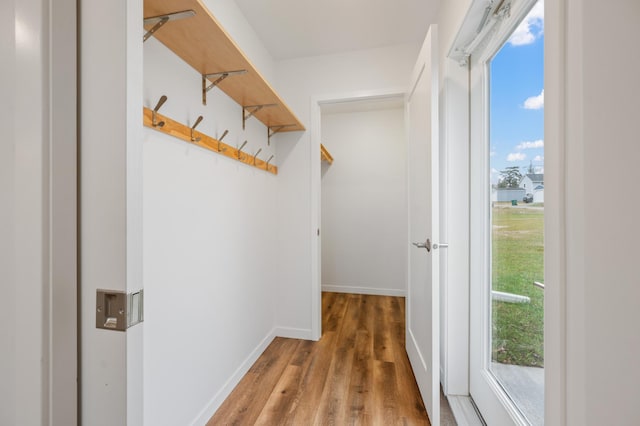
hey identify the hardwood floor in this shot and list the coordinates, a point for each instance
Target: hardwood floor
(358, 373)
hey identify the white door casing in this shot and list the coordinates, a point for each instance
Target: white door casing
(111, 129)
(423, 298)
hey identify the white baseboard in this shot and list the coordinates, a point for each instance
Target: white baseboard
(364, 290)
(203, 417)
(293, 333)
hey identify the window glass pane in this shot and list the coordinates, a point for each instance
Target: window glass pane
(517, 216)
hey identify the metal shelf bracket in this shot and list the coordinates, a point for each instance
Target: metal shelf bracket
(249, 111)
(160, 20)
(272, 130)
(219, 77)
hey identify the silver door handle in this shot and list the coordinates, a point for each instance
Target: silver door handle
(441, 245)
(425, 245)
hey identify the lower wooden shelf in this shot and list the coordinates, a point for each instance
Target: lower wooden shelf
(181, 131)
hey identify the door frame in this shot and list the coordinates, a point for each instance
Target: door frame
(41, 163)
(315, 188)
(64, 212)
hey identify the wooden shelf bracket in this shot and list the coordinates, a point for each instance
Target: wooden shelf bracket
(160, 20)
(249, 111)
(219, 77)
(324, 155)
(272, 130)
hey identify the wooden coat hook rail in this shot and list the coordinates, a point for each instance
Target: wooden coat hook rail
(153, 120)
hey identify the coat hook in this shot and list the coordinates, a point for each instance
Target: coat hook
(240, 150)
(154, 120)
(193, 138)
(256, 156)
(268, 161)
(220, 148)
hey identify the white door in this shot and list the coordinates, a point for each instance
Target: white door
(494, 398)
(423, 313)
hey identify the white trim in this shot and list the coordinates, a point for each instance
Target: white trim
(315, 221)
(555, 222)
(464, 411)
(209, 410)
(294, 333)
(63, 314)
(364, 290)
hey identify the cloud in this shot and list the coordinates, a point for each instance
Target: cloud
(530, 28)
(538, 158)
(535, 102)
(530, 145)
(516, 156)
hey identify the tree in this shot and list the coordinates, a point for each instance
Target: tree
(510, 177)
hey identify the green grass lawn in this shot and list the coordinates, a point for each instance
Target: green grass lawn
(518, 256)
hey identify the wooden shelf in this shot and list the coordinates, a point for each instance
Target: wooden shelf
(183, 132)
(202, 43)
(324, 155)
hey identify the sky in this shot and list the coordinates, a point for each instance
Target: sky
(517, 98)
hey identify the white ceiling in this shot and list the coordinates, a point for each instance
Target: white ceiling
(298, 28)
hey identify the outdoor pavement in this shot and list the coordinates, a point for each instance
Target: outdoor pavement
(525, 385)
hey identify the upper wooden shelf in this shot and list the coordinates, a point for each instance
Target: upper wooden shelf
(202, 43)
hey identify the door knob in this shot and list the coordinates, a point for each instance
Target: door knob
(425, 245)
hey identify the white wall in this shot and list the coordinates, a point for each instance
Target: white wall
(364, 204)
(210, 228)
(591, 336)
(300, 80)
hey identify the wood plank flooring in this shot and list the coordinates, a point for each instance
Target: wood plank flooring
(358, 373)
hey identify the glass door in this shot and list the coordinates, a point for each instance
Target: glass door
(507, 202)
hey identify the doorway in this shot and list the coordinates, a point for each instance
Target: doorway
(341, 103)
(363, 197)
